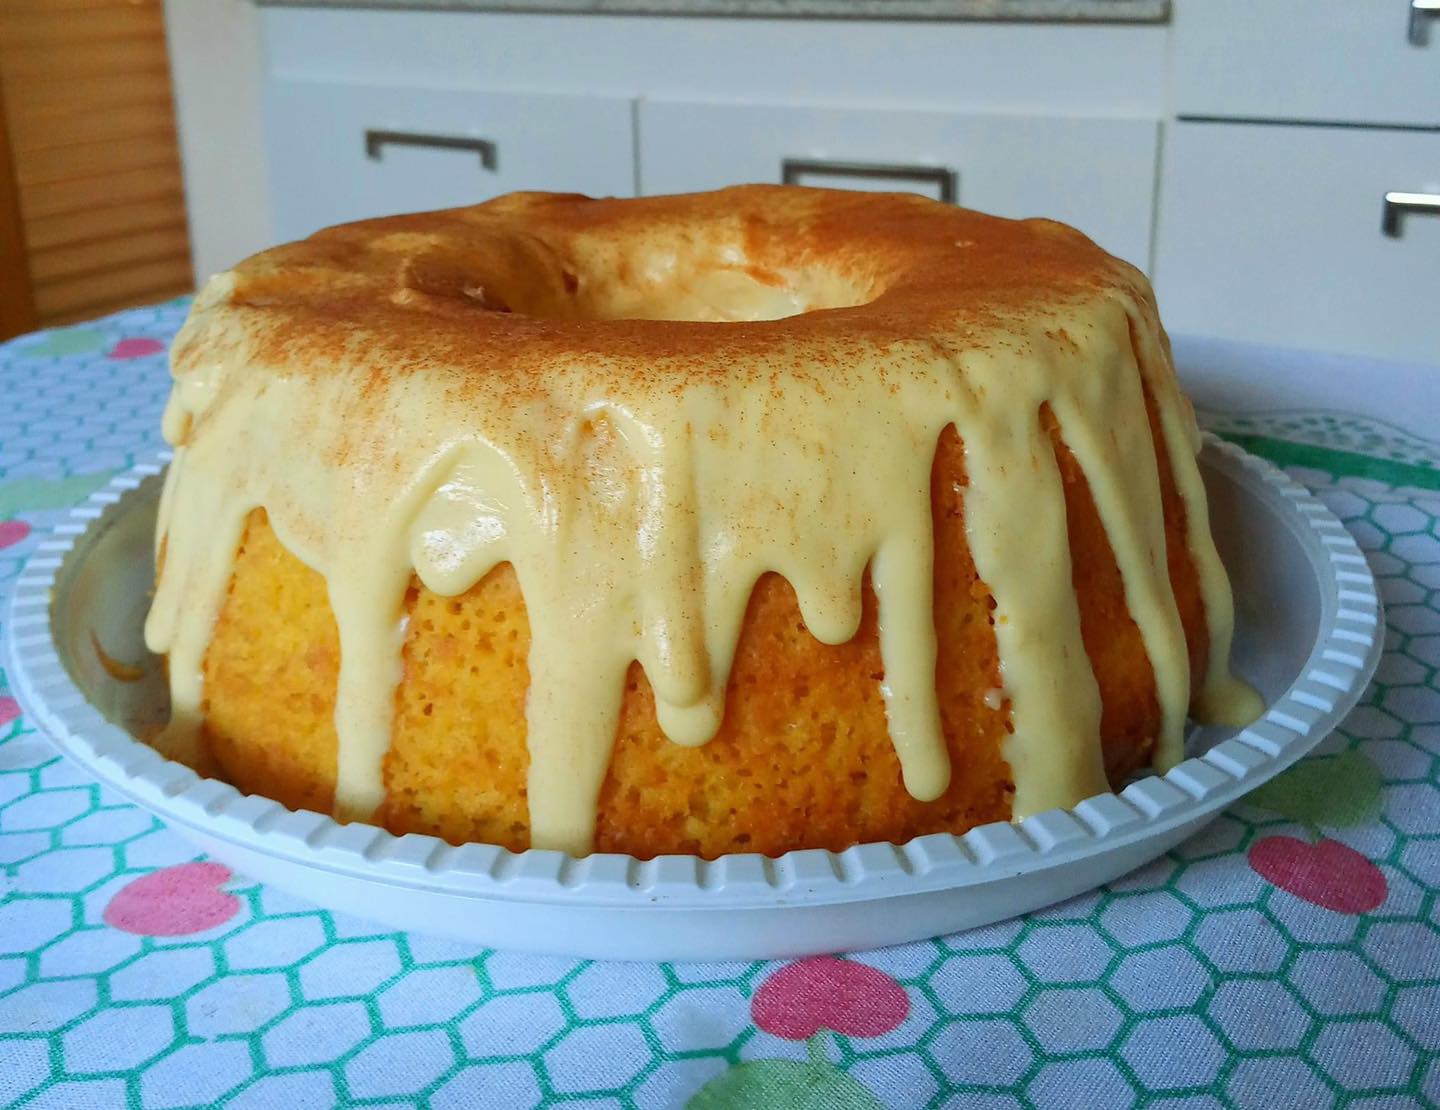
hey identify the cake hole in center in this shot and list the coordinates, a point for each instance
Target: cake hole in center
(674, 279)
(668, 287)
(716, 293)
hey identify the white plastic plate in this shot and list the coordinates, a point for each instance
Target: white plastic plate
(1309, 635)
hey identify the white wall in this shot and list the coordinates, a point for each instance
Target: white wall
(216, 66)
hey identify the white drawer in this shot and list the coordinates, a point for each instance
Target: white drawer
(1273, 234)
(1097, 174)
(341, 152)
(1328, 60)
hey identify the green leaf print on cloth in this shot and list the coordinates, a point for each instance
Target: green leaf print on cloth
(813, 1084)
(37, 494)
(1339, 791)
(66, 341)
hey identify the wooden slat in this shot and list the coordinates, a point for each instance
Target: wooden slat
(86, 224)
(49, 129)
(101, 255)
(125, 286)
(87, 93)
(59, 197)
(42, 167)
(91, 6)
(22, 27)
(114, 58)
(17, 305)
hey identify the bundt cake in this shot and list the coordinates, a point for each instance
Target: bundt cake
(751, 520)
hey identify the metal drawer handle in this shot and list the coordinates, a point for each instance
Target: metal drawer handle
(791, 170)
(1421, 13)
(488, 151)
(1397, 204)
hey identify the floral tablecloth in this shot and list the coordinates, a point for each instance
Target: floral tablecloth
(1288, 956)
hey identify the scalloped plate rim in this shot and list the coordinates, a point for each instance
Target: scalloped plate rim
(815, 877)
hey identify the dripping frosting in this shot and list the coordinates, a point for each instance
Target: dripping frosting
(645, 406)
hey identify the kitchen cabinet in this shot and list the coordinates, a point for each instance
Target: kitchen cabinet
(1278, 233)
(346, 151)
(1094, 173)
(1350, 61)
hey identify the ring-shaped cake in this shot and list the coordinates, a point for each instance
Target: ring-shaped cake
(752, 520)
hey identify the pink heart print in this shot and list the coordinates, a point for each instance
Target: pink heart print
(136, 348)
(12, 532)
(9, 710)
(1327, 874)
(825, 993)
(174, 901)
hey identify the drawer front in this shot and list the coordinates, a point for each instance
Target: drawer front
(1274, 234)
(342, 152)
(1328, 60)
(1097, 174)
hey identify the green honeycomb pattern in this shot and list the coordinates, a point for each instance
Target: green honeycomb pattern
(1356, 435)
(1193, 982)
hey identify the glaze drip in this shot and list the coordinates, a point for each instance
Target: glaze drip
(640, 506)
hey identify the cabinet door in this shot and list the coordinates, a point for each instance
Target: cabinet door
(343, 152)
(1274, 234)
(1097, 174)
(1342, 60)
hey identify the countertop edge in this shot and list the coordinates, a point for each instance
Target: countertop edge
(1098, 11)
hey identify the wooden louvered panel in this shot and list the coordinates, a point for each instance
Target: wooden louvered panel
(96, 165)
(48, 25)
(104, 255)
(150, 85)
(37, 168)
(52, 127)
(127, 285)
(61, 197)
(47, 6)
(83, 224)
(84, 59)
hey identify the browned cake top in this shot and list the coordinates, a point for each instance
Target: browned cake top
(803, 276)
